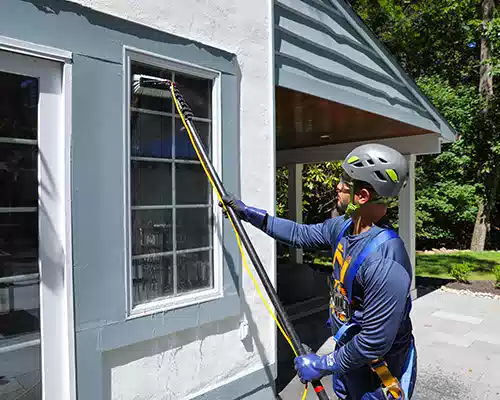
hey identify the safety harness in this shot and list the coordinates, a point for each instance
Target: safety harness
(343, 304)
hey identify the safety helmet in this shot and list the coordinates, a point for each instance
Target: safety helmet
(382, 167)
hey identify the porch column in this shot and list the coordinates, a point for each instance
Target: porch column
(295, 204)
(407, 216)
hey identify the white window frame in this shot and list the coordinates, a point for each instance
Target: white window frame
(130, 55)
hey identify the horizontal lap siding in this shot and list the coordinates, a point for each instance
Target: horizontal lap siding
(314, 41)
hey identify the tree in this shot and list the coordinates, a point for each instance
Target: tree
(436, 40)
(446, 186)
(486, 203)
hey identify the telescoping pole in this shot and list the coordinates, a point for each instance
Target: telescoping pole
(271, 292)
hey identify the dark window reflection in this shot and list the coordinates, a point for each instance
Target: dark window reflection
(19, 281)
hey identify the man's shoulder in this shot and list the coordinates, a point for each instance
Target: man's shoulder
(334, 226)
(388, 255)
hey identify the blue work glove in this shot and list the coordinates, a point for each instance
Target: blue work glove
(255, 216)
(312, 367)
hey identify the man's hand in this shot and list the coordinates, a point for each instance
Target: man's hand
(312, 367)
(237, 205)
(255, 216)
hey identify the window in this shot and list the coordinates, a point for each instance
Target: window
(171, 219)
(19, 279)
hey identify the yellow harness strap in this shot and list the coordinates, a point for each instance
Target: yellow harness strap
(388, 380)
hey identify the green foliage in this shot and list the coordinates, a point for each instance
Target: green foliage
(427, 37)
(496, 271)
(438, 43)
(461, 272)
(446, 184)
(318, 186)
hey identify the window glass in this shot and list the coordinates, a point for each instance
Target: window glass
(19, 279)
(171, 216)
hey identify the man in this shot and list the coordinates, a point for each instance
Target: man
(374, 356)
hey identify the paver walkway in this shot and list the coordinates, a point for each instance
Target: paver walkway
(458, 345)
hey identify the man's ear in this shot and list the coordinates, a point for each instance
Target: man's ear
(364, 196)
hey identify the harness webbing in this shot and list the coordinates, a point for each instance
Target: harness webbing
(347, 276)
(391, 384)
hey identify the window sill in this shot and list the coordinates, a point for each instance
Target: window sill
(167, 304)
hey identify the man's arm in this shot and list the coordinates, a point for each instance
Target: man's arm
(286, 231)
(386, 285)
(302, 235)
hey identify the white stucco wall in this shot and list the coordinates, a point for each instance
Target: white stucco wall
(199, 359)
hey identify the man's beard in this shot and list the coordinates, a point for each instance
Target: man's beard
(340, 208)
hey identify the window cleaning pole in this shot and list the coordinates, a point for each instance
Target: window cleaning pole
(271, 292)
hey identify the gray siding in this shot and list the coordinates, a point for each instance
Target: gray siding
(322, 50)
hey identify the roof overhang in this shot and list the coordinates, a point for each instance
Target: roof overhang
(337, 86)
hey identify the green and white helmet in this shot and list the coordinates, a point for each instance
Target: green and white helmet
(382, 167)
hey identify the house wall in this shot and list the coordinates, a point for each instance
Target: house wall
(198, 351)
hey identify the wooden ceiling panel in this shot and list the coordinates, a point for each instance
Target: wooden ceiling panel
(303, 120)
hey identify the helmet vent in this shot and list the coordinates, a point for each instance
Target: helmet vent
(382, 160)
(380, 176)
(370, 161)
(358, 164)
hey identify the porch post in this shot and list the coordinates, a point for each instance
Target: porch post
(295, 204)
(407, 216)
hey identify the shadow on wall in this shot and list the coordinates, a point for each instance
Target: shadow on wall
(117, 24)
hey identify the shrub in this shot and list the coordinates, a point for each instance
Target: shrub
(461, 272)
(496, 271)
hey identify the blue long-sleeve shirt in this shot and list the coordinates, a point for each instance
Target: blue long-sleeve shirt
(381, 289)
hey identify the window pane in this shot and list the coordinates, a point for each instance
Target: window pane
(18, 175)
(152, 277)
(151, 183)
(192, 228)
(183, 147)
(19, 308)
(159, 230)
(151, 135)
(195, 271)
(193, 184)
(197, 92)
(18, 243)
(18, 106)
(19, 281)
(151, 100)
(151, 231)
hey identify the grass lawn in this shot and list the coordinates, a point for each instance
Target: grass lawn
(438, 265)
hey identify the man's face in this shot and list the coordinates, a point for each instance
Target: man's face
(343, 195)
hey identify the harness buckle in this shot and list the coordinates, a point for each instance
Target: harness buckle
(395, 388)
(340, 304)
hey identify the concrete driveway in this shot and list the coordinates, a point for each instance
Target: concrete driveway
(458, 344)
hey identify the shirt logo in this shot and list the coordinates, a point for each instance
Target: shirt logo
(339, 262)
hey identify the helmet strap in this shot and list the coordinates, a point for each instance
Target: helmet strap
(352, 207)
